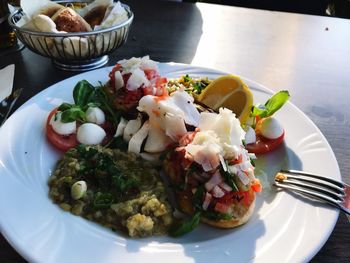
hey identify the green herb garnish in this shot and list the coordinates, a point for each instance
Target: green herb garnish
(271, 106)
(187, 78)
(103, 200)
(86, 95)
(187, 225)
(228, 177)
(216, 216)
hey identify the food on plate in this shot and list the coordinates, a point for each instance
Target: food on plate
(117, 137)
(131, 79)
(212, 174)
(89, 120)
(228, 92)
(112, 188)
(265, 132)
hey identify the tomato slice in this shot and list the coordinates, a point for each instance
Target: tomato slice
(256, 186)
(151, 73)
(264, 145)
(61, 142)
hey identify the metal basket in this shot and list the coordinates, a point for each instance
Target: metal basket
(74, 51)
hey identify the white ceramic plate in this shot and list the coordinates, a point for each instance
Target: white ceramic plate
(283, 228)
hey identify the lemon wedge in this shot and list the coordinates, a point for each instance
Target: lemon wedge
(228, 92)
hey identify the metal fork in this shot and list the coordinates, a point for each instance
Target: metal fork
(324, 189)
(7, 104)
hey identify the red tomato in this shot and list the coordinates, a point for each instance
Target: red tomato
(110, 131)
(256, 186)
(227, 199)
(61, 142)
(221, 208)
(264, 145)
(111, 74)
(151, 73)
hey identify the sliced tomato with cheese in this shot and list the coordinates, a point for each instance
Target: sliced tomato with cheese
(264, 145)
(61, 142)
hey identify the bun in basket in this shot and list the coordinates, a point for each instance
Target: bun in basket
(95, 16)
(67, 20)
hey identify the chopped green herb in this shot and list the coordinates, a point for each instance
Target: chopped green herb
(187, 78)
(123, 184)
(216, 216)
(198, 197)
(228, 177)
(103, 200)
(187, 225)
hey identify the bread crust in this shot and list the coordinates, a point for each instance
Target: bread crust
(95, 16)
(67, 20)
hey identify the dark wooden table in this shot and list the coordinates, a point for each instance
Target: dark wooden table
(307, 55)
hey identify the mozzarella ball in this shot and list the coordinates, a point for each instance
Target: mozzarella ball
(95, 115)
(270, 128)
(250, 136)
(62, 128)
(90, 134)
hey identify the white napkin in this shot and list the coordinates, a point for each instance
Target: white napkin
(6, 81)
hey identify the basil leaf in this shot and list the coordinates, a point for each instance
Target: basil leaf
(83, 93)
(65, 106)
(271, 106)
(276, 101)
(106, 104)
(73, 114)
(259, 110)
(187, 225)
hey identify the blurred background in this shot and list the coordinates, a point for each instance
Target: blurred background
(336, 8)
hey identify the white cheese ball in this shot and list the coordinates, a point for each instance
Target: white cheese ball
(250, 136)
(90, 134)
(95, 115)
(62, 128)
(270, 128)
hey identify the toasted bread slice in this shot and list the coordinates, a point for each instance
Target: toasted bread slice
(241, 212)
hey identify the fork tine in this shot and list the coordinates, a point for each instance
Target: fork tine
(338, 196)
(309, 193)
(312, 180)
(330, 180)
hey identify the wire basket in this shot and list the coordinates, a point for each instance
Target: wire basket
(74, 51)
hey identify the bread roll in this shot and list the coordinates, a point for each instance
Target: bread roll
(95, 16)
(66, 19)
